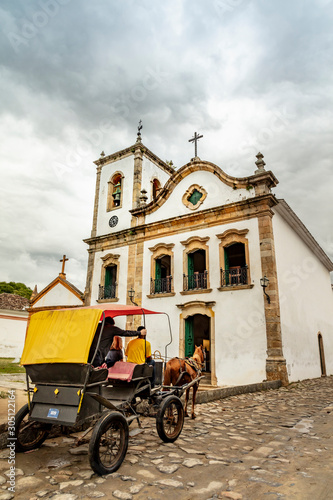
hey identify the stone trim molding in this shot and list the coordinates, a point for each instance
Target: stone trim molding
(190, 309)
(189, 192)
(262, 183)
(232, 288)
(228, 238)
(233, 212)
(159, 251)
(96, 201)
(201, 290)
(102, 301)
(118, 155)
(191, 245)
(276, 368)
(161, 295)
(108, 260)
(109, 198)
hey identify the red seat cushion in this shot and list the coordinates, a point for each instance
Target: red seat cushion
(121, 371)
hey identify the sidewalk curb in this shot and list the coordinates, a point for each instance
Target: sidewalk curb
(225, 392)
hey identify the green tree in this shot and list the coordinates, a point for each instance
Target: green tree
(15, 288)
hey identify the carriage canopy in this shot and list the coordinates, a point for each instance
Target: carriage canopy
(65, 335)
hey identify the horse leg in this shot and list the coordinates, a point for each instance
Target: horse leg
(187, 394)
(195, 388)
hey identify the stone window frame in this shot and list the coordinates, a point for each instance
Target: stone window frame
(109, 260)
(191, 245)
(188, 194)
(190, 309)
(109, 201)
(158, 251)
(228, 238)
(152, 187)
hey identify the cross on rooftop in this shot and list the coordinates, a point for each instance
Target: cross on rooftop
(63, 260)
(195, 140)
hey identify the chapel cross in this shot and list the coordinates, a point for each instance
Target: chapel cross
(63, 260)
(195, 140)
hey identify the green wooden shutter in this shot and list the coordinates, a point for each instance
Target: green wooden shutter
(226, 266)
(189, 337)
(108, 276)
(190, 270)
(158, 275)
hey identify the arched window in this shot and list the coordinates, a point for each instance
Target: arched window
(115, 191)
(234, 258)
(109, 278)
(156, 187)
(161, 281)
(195, 262)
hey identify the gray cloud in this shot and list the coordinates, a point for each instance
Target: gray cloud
(248, 75)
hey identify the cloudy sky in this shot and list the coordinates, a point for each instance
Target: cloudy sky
(76, 76)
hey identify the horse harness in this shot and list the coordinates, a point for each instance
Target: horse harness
(190, 362)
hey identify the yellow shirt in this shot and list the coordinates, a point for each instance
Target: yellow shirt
(135, 351)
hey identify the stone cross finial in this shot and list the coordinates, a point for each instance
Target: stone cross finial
(195, 140)
(139, 131)
(260, 164)
(63, 260)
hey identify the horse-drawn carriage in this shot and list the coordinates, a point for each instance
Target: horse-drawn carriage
(69, 391)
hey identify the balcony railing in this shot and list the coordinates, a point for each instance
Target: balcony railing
(234, 276)
(107, 292)
(196, 281)
(160, 285)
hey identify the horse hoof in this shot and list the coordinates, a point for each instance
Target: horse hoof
(186, 415)
(193, 417)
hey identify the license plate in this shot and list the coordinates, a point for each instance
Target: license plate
(53, 413)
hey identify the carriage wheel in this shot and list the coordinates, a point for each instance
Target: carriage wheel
(108, 443)
(29, 434)
(170, 419)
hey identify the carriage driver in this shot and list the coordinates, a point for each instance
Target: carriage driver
(139, 351)
(109, 332)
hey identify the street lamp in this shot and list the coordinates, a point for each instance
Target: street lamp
(264, 283)
(131, 294)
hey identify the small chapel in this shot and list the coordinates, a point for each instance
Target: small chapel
(233, 267)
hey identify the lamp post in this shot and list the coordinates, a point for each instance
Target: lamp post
(131, 294)
(264, 283)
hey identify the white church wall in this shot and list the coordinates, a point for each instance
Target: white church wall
(151, 171)
(13, 325)
(218, 194)
(240, 331)
(123, 266)
(59, 295)
(306, 304)
(126, 167)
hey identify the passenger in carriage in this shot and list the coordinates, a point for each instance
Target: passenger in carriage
(109, 332)
(115, 353)
(139, 351)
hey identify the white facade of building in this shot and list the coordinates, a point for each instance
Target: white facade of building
(13, 325)
(199, 222)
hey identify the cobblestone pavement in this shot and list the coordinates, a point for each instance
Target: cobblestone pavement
(268, 445)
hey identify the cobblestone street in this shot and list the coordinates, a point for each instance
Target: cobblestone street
(274, 444)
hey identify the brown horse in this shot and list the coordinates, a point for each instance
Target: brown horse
(181, 371)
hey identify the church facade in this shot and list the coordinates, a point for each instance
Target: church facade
(198, 244)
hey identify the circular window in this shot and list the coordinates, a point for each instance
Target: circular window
(113, 221)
